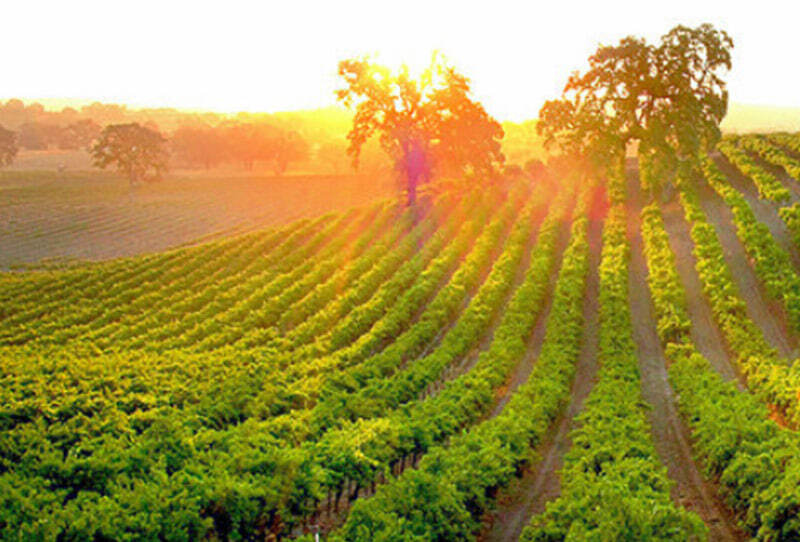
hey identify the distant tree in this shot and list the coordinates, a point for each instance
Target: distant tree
(8, 146)
(427, 126)
(199, 146)
(37, 136)
(246, 142)
(669, 98)
(152, 126)
(137, 152)
(333, 154)
(79, 135)
(105, 114)
(13, 113)
(259, 141)
(285, 148)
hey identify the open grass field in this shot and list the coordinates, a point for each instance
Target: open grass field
(498, 364)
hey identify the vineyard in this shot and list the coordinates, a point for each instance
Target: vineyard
(56, 218)
(497, 364)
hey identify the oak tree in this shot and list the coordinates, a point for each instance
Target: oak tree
(137, 152)
(668, 98)
(429, 125)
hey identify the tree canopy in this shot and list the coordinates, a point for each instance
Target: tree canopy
(8, 146)
(429, 125)
(669, 98)
(138, 152)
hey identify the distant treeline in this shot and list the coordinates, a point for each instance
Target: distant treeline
(311, 141)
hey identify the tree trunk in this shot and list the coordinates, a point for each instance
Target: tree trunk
(412, 191)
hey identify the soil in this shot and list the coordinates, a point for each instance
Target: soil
(705, 333)
(471, 358)
(768, 314)
(527, 496)
(670, 435)
(779, 173)
(766, 212)
(91, 216)
(326, 520)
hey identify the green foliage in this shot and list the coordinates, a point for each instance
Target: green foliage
(669, 98)
(136, 151)
(486, 456)
(614, 486)
(771, 153)
(768, 186)
(756, 462)
(164, 420)
(772, 263)
(772, 378)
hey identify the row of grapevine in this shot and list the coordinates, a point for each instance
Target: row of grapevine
(233, 312)
(756, 463)
(407, 342)
(768, 186)
(144, 430)
(772, 264)
(613, 484)
(444, 497)
(177, 392)
(179, 380)
(160, 287)
(771, 154)
(71, 306)
(388, 277)
(787, 140)
(102, 323)
(112, 280)
(289, 385)
(373, 388)
(769, 376)
(194, 316)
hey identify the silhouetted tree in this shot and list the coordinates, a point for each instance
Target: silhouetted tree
(199, 146)
(669, 98)
(38, 136)
(334, 154)
(79, 135)
(137, 152)
(8, 146)
(427, 126)
(285, 148)
(246, 142)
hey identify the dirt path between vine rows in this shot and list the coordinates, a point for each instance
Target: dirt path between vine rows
(527, 496)
(765, 211)
(768, 314)
(468, 361)
(327, 520)
(705, 332)
(467, 298)
(670, 435)
(523, 369)
(779, 173)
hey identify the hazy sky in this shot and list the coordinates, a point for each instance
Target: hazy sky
(269, 56)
